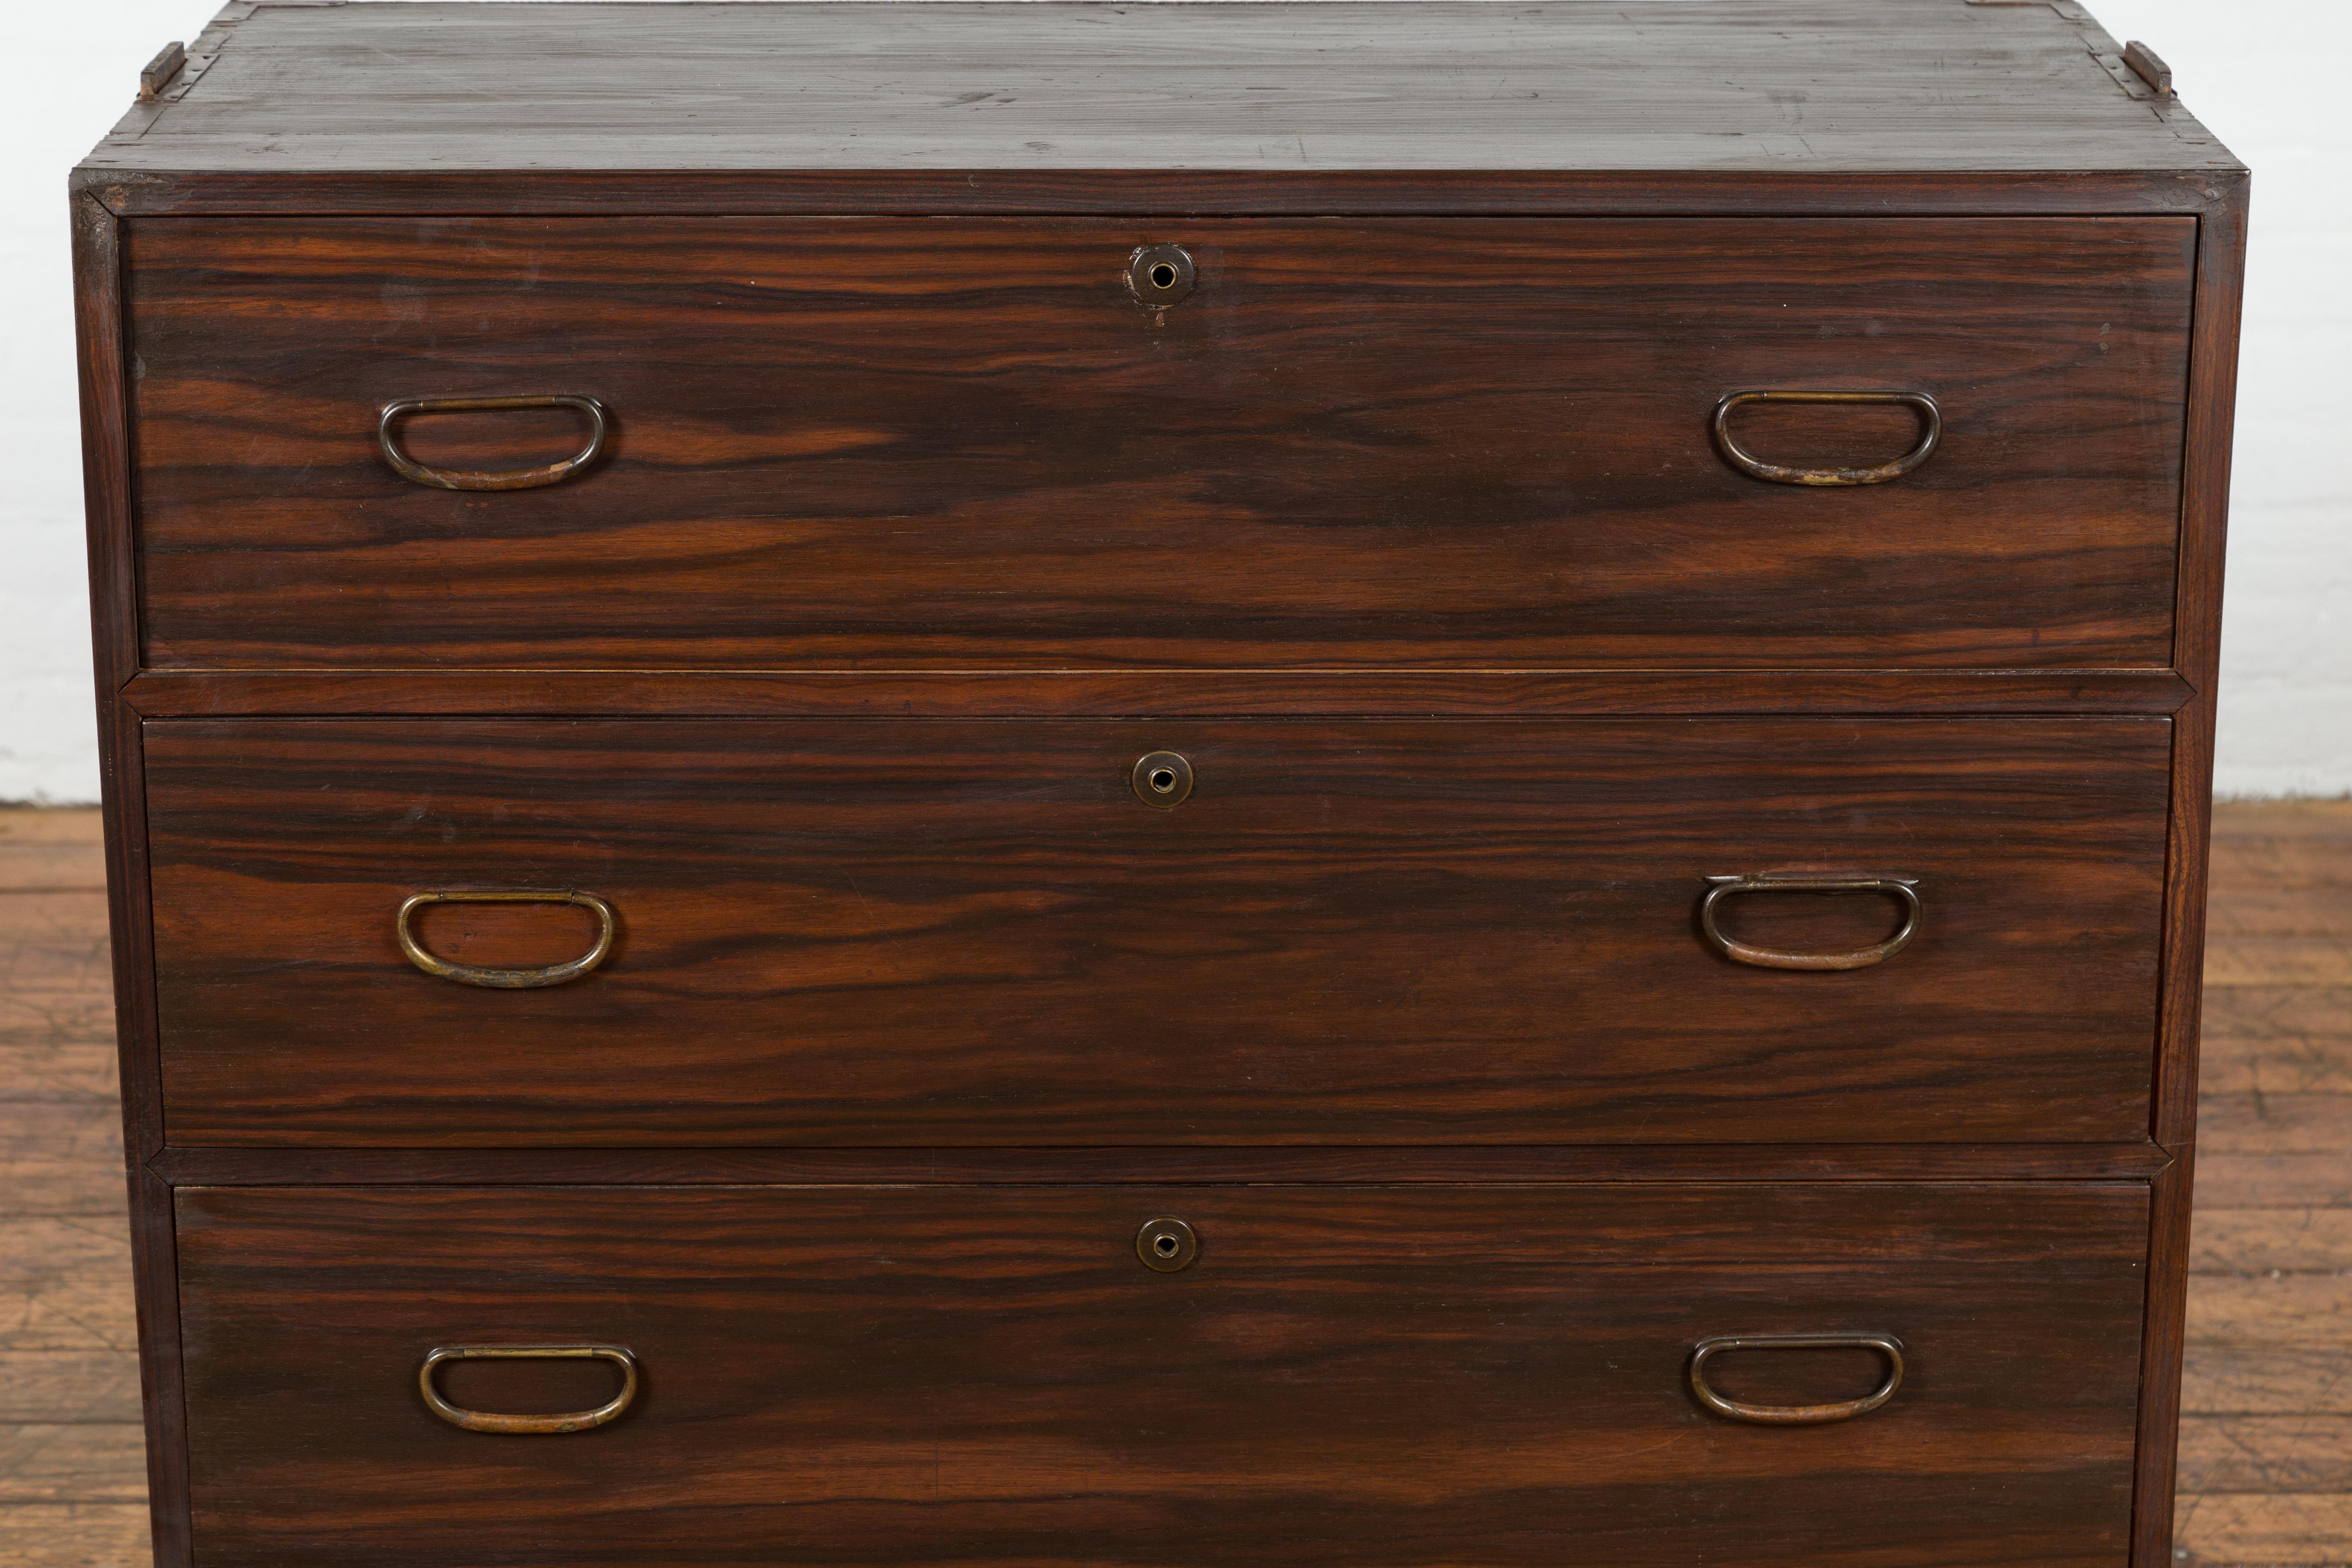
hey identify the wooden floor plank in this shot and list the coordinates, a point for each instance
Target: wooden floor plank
(2265, 1241)
(2323, 960)
(61, 1159)
(54, 1071)
(2275, 908)
(2258, 1122)
(2274, 1181)
(2274, 1531)
(2278, 1040)
(85, 1314)
(58, 1386)
(55, 942)
(80, 1462)
(76, 1535)
(2266, 1453)
(2302, 1311)
(2265, 1380)
(52, 1247)
(2321, 821)
(53, 849)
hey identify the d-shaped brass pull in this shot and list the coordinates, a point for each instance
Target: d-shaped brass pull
(1886, 1345)
(1905, 888)
(1931, 431)
(506, 979)
(408, 468)
(529, 1426)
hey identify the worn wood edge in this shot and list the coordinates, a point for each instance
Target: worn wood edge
(155, 1284)
(182, 1166)
(2197, 648)
(1203, 693)
(107, 489)
(1160, 192)
(2163, 1343)
(2197, 623)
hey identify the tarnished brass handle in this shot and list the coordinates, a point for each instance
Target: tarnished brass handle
(1906, 889)
(1931, 431)
(489, 1421)
(408, 468)
(506, 979)
(1886, 1345)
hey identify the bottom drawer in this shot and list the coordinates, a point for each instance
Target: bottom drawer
(1358, 1377)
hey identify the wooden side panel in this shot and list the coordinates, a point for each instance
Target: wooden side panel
(2220, 277)
(1365, 1376)
(962, 444)
(859, 933)
(108, 497)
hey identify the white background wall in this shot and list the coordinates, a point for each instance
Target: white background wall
(2267, 75)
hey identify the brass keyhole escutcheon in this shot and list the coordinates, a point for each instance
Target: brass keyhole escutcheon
(1162, 779)
(1167, 1245)
(1161, 275)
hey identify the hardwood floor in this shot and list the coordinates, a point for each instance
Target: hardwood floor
(2266, 1429)
(2266, 1436)
(72, 1465)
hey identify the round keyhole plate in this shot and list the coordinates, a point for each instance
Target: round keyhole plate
(1161, 275)
(1166, 1246)
(1162, 779)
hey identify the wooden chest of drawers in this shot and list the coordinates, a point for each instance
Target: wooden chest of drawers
(1410, 785)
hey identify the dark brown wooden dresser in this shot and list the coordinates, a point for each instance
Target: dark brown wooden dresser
(1400, 785)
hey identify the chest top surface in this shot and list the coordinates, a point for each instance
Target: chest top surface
(1764, 86)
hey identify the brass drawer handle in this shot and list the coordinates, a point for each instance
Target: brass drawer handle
(1931, 431)
(1886, 1345)
(490, 1421)
(506, 979)
(1906, 889)
(408, 468)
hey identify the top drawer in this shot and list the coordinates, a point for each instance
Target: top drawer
(967, 444)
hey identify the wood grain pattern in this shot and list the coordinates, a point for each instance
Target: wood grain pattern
(916, 934)
(1452, 464)
(1131, 193)
(2268, 1397)
(1345, 1376)
(72, 1452)
(896, 445)
(76, 1535)
(1130, 694)
(1392, 1165)
(2205, 492)
(104, 374)
(1758, 86)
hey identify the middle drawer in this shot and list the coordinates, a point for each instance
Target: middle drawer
(983, 932)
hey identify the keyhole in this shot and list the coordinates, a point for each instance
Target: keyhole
(1162, 780)
(1166, 1246)
(1161, 276)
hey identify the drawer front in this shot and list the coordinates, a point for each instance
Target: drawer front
(887, 932)
(966, 445)
(988, 1376)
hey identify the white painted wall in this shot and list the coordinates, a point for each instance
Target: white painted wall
(2265, 74)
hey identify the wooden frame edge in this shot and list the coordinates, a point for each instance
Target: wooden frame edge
(1171, 693)
(2204, 517)
(1163, 1165)
(1169, 192)
(101, 335)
